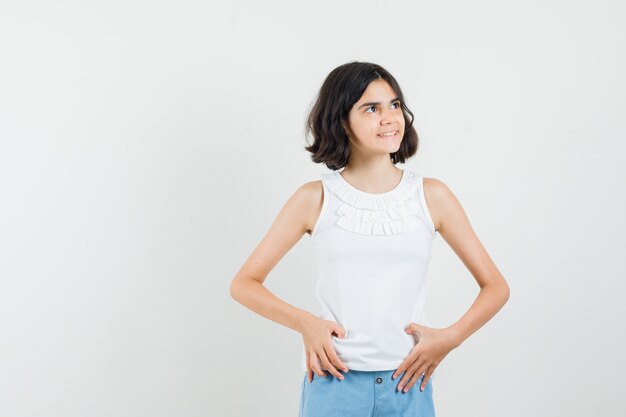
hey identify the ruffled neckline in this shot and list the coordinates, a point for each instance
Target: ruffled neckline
(392, 212)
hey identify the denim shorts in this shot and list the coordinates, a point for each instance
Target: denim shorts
(364, 393)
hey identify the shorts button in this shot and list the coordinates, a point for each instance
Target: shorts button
(379, 380)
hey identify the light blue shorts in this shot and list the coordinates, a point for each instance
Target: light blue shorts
(364, 393)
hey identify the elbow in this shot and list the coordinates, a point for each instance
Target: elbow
(506, 292)
(238, 287)
(234, 289)
(241, 286)
(500, 290)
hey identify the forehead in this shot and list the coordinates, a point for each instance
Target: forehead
(377, 90)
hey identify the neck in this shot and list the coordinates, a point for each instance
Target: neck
(372, 178)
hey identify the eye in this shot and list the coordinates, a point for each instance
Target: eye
(370, 107)
(395, 103)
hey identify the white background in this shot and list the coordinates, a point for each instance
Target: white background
(146, 147)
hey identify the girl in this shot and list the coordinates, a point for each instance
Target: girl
(373, 225)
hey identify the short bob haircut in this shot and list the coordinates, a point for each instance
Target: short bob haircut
(342, 88)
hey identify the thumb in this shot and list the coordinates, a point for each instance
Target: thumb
(340, 332)
(412, 328)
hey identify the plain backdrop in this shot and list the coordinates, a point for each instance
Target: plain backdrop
(147, 146)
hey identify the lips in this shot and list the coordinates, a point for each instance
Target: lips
(383, 136)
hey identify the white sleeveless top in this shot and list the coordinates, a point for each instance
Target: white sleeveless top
(373, 252)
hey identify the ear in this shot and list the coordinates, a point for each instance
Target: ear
(346, 128)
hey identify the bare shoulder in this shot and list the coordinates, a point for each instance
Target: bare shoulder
(311, 196)
(439, 199)
(435, 188)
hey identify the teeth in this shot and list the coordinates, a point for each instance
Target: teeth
(389, 133)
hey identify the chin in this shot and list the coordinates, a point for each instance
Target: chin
(391, 147)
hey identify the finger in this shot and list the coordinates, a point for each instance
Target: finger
(414, 328)
(329, 366)
(340, 331)
(416, 331)
(411, 358)
(408, 375)
(416, 375)
(332, 355)
(400, 369)
(414, 378)
(315, 365)
(309, 371)
(429, 372)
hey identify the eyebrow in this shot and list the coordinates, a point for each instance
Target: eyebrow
(376, 103)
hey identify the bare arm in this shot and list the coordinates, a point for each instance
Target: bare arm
(454, 226)
(434, 345)
(295, 218)
(291, 223)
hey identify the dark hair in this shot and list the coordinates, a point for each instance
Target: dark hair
(342, 88)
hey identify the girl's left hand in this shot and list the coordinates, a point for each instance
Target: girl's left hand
(432, 346)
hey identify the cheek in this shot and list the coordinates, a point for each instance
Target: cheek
(365, 128)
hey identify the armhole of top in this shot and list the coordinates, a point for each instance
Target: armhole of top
(322, 211)
(429, 219)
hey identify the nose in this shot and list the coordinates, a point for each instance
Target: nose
(388, 117)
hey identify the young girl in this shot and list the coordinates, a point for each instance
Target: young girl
(372, 225)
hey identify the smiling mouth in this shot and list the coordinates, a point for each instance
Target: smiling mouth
(391, 135)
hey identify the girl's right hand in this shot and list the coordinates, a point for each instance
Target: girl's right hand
(317, 335)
